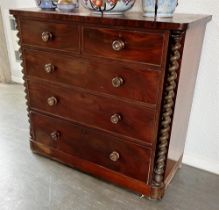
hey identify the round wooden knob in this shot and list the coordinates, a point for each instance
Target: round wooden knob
(117, 82)
(52, 101)
(118, 45)
(55, 135)
(114, 156)
(49, 68)
(115, 118)
(46, 36)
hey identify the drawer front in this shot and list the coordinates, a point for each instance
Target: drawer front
(108, 151)
(61, 36)
(100, 112)
(115, 78)
(135, 46)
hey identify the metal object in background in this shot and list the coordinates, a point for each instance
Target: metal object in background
(155, 9)
(116, 7)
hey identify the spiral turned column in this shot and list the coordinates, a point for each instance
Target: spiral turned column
(22, 69)
(167, 109)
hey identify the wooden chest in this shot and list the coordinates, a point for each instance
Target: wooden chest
(111, 96)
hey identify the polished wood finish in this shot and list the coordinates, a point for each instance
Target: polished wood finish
(140, 83)
(167, 111)
(93, 146)
(95, 111)
(94, 169)
(130, 19)
(111, 95)
(145, 47)
(60, 36)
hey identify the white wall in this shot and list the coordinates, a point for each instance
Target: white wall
(5, 73)
(202, 147)
(202, 144)
(5, 6)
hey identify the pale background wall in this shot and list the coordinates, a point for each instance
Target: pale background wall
(202, 145)
(5, 5)
(5, 73)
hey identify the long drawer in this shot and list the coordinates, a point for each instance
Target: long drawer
(130, 81)
(104, 113)
(108, 151)
(146, 47)
(59, 36)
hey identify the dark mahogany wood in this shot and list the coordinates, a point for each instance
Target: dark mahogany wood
(146, 47)
(96, 111)
(130, 132)
(64, 36)
(93, 146)
(140, 83)
(91, 168)
(130, 19)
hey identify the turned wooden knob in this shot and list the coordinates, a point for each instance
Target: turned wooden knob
(116, 118)
(117, 82)
(46, 36)
(118, 45)
(52, 101)
(55, 135)
(114, 156)
(49, 68)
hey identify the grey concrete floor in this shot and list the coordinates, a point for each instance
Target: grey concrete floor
(31, 182)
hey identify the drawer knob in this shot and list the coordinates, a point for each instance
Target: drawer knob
(49, 68)
(115, 118)
(118, 45)
(117, 82)
(52, 101)
(114, 156)
(46, 36)
(55, 135)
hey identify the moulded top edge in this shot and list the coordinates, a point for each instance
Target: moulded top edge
(130, 19)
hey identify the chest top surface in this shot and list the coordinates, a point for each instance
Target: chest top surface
(130, 19)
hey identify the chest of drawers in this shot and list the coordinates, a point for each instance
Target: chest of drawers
(111, 96)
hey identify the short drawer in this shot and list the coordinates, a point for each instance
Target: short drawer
(100, 112)
(146, 47)
(61, 36)
(131, 81)
(91, 145)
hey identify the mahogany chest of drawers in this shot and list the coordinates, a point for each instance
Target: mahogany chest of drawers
(111, 96)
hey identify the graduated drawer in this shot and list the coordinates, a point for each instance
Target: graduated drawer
(104, 113)
(60, 36)
(132, 81)
(91, 145)
(137, 46)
